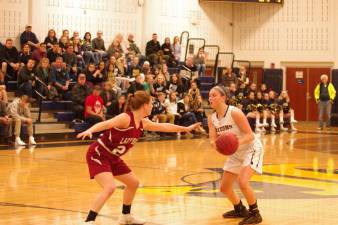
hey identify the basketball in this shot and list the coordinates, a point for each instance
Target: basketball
(227, 144)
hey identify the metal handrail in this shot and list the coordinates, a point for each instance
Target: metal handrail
(190, 39)
(216, 60)
(232, 62)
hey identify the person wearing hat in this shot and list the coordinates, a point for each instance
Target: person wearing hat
(29, 37)
(325, 94)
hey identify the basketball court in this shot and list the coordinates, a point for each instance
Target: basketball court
(49, 184)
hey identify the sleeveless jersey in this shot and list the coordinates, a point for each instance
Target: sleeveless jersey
(118, 141)
(227, 124)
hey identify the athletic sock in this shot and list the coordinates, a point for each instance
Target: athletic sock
(239, 206)
(253, 207)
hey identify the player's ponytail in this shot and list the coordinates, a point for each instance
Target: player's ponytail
(137, 100)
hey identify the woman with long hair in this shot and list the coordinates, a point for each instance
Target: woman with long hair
(104, 155)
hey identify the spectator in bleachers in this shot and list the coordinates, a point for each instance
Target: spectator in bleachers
(188, 72)
(167, 51)
(175, 85)
(28, 37)
(136, 85)
(75, 35)
(78, 52)
(199, 61)
(115, 49)
(242, 76)
(95, 76)
(51, 39)
(88, 52)
(176, 49)
(43, 82)
(153, 46)
(94, 107)
(19, 111)
(148, 85)
(132, 46)
(165, 72)
(64, 43)
(197, 109)
(194, 92)
(24, 55)
(40, 52)
(252, 87)
(117, 107)
(146, 69)
(60, 78)
(112, 62)
(184, 109)
(65, 33)
(69, 57)
(98, 45)
(122, 65)
(171, 105)
(264, 88)
(3, 94)
(134, 67)
(241, 90)
(111, 77)
(79, 93)
(5, 121)
(108, 95)
(159, 111)
(9, 57)
(160, 84)
(228, 76)
(26, 79)
(54, 52)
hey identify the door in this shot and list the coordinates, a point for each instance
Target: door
(313, 80)
(296, 81)
(300, 83)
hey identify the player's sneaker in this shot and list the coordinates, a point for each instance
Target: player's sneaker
(129, 219)
(243, 213)
(19, 142)
(253, 218)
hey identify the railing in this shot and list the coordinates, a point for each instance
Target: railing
(213, 51)
(224, 59)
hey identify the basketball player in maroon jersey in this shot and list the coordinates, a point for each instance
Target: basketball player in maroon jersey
(103, 156)
(241, 165)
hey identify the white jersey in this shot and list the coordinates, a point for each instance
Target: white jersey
(248, 154)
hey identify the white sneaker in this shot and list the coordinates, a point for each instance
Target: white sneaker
(32, 141)
(258, 130)
(283, 128)
(293, 121)
(129, 219)
(273, 125)
(19, 142)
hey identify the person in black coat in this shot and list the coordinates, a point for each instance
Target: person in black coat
(79, 93)
(153, 46)
(117, 107)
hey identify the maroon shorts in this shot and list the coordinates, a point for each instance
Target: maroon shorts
(100, 160)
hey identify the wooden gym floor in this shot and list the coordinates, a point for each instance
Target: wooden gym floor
(180, 182)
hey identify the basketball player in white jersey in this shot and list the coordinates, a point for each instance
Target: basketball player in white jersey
(241, 165)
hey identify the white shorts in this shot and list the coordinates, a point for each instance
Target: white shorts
(249, 155)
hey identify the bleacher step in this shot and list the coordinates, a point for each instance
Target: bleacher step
(54, 131)
(50, 126)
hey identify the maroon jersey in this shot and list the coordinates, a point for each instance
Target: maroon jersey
(119, 141)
